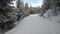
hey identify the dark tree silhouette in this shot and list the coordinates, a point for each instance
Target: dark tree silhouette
(4, 9)
(5, 2)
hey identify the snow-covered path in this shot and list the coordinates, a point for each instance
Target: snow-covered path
(35, 24)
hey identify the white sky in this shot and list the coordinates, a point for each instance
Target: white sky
(34, 3)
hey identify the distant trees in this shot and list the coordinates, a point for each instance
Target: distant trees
(26, 5)
(18, 2)
(34, 10)
(26, 9)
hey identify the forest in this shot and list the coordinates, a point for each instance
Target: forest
(10, 14)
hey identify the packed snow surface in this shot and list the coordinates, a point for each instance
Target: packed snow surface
(35, 24)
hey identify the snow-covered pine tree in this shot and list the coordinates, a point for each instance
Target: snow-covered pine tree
(8, 15)
(54, 5)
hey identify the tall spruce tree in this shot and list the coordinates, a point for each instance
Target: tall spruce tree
(6, 20)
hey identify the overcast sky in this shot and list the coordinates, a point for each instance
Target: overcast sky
(34, 3)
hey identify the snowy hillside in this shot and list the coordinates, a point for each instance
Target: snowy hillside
(34, 24)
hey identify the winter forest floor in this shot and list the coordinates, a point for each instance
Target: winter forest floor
(35, 24)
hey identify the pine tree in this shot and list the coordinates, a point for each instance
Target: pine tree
(6, 20)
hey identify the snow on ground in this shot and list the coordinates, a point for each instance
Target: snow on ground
(35, 24)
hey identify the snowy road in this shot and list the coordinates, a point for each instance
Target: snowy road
(35, 24)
